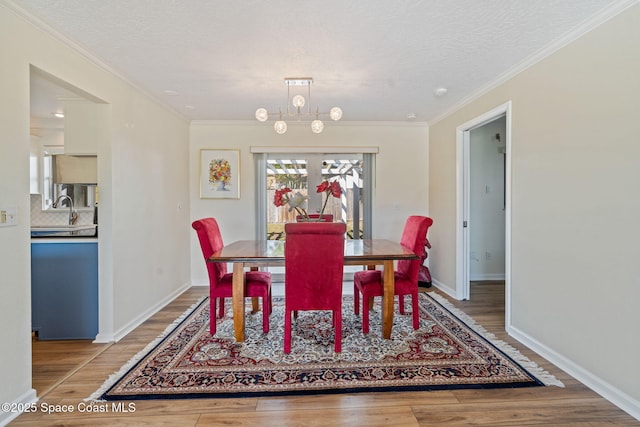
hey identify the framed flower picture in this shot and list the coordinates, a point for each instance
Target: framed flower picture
(219, 174)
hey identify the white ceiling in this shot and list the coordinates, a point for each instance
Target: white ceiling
(378, 60)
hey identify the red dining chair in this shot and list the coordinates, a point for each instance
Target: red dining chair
(314, 260)
(369, 282)
(257, 283)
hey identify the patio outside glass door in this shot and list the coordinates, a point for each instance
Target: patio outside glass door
(302, 173)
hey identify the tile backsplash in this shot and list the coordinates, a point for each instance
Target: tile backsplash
(40, 217)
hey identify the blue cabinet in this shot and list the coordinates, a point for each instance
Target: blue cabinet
(64, 290)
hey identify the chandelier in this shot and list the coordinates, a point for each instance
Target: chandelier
(298, 102)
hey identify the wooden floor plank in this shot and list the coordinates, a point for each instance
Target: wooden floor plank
(75, 370)
(397, 416)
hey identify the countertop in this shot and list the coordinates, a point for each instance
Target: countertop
(64, 232)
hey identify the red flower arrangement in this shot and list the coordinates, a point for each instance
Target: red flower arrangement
(332, 188)
(296, 200)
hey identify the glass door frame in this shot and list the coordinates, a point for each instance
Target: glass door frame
(260, 158)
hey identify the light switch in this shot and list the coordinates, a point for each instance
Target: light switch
(8, 216)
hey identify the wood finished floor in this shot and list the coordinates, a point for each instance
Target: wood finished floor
(64, 373)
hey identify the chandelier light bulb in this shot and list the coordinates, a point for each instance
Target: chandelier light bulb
(262, 115)
(280, 127)
(317, 126)
(335, 113)
(298, 101)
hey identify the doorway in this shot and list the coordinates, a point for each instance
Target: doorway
(468, 254)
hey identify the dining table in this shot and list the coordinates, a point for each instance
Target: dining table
(253, 254)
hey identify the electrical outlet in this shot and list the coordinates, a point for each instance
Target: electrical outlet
(487, 256)
(8, 216)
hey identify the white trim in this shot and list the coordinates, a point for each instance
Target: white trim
(462, 202)
(95, 396)
(355, 123)
(49, 30)
(532, 367)
(445, 288)
(595, 383)
(499, 276)
(593, 22)
(27, 398)
(314, 150)
(122, 332)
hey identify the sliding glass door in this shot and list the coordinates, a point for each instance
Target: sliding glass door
(303, 173)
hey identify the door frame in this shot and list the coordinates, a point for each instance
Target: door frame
(463, 204)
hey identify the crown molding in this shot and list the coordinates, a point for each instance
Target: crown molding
(96, 61)
(342, 123)
(588, 25)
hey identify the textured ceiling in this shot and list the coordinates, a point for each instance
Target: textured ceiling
(378, 60)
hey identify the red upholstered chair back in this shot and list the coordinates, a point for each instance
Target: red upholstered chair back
(314, 260)
(210, 242)
(414, 237)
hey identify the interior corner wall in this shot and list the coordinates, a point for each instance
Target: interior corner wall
(574, 149)
(15, 304)
(144, 182)
(401, 180)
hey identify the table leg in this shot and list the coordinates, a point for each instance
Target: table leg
(370, 267)
(387, 299)
(238, 300)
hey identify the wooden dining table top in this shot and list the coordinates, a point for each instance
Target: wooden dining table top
(359, 252)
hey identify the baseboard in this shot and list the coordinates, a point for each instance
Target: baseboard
(28, 398)
(499, 276)
(446, 289)
(122, 332)
(595, 383)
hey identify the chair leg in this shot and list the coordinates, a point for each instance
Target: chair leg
(356, 299)
(337, 320)
(221, 307)
(212, 316)
(365, 313)
(401, 303)
(414, 308)
(266, 310)
(287, 331)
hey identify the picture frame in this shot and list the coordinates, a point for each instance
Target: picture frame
(219, 174)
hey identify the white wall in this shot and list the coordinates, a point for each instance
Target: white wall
(486, 194)
(142, 173)
(575, 284)
(401, 173)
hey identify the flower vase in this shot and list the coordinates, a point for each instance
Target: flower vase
(220, 186)
(315, 218)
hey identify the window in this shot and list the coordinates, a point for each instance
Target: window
(302, 173)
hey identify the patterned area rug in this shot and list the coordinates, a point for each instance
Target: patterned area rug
(448, 351)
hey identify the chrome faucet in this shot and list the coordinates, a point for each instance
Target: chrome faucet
(73, 214)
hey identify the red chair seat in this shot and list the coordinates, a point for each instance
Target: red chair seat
(257, 283)
(369, 282)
